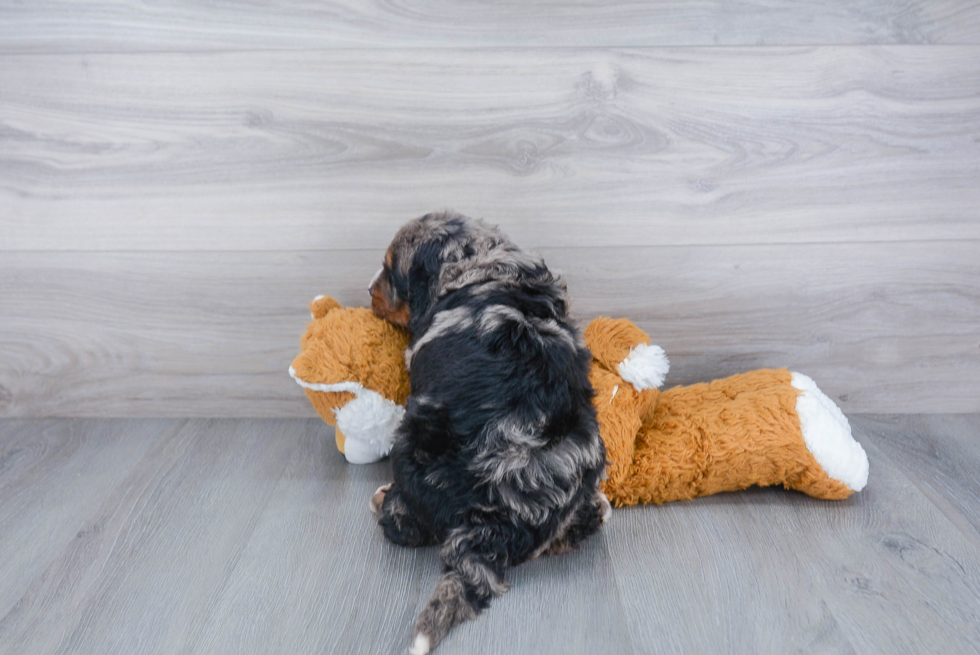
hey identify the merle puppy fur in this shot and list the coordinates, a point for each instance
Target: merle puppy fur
(498, 457)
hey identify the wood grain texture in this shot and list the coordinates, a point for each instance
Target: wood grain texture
(154, 554)
(316, 574)
(776, 571)
(899, 576)
(53, 474)
(940, 454)
(291, 561)
(254, 536)
(344, 589)
(566, 604)
(59, 26)
(333, 150)
(714, 575)
(881, 327)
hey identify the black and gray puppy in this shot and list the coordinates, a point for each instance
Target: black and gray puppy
(498, 457)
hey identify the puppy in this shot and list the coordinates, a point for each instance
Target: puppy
(498, 457)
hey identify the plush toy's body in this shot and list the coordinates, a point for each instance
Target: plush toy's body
(765, 427)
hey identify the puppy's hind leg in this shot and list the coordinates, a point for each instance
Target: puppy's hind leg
(474, 558)
(379, 497)
(400, 524)
(588, 519)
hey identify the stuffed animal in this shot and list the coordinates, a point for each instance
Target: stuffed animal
(765, 427)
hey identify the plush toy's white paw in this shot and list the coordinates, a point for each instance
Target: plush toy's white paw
(368, 423)
(828, 435)
(645, 367)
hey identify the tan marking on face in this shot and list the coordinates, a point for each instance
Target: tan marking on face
(383, 307)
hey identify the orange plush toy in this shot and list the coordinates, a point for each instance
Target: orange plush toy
(765, 427)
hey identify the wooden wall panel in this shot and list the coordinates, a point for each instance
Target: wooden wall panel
(333, 150)
(786, 184)
(67, 25)
(882, 327)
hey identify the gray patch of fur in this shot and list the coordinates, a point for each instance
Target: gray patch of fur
(494, 257)
(493, 316)
(416, 232)
(550, 327)
(457, 554)
(451, 320)
(495, 265)
(516, 465)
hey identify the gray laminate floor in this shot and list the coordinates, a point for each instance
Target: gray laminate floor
(253, 536)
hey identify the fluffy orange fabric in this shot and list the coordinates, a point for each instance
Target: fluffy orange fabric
(702, 439)
(719, 436)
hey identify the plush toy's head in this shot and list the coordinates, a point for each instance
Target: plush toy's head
(352, 367)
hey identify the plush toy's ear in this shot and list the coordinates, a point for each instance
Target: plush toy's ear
(621, 347)
(321, 305)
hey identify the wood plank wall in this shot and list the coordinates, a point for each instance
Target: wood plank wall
(779, 183)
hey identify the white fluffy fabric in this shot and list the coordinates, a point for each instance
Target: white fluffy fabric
(353, 387)
(645, 367)
(828, 435)
(368, 422)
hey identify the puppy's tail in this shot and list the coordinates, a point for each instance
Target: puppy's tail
(472, 578)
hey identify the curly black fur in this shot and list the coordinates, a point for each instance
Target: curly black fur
(498, 457)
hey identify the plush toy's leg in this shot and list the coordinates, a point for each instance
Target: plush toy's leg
(741, 431)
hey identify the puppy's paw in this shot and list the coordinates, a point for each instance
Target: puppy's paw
(605, 509)
(558, 547)
(379, 497)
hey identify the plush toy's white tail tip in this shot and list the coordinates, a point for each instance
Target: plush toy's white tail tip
(828, 435)
(645, 367)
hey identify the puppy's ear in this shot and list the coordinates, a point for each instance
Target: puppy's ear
(423, 276)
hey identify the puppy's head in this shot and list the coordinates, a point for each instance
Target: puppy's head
(439, 253)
